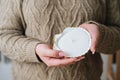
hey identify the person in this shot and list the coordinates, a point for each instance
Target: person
(27, 28)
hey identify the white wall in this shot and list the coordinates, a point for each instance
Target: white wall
(105, 63)
(5, 69)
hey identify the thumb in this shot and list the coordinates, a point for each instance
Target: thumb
(92, 50)
(93, 46)
(51, 53)
(94, 43)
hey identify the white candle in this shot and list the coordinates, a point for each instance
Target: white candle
(73, 41)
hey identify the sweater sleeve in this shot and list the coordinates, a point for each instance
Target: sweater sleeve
(13, 43)
(109, 39)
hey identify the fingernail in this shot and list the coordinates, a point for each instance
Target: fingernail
(61, 54)
(93, 52)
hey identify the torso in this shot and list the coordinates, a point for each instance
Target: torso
(44, 19)
(52, 16)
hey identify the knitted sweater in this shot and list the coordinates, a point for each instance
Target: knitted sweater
(26, 23)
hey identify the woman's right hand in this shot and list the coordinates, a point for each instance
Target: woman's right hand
(53, 57)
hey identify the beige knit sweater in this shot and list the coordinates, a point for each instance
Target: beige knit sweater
(25, 23)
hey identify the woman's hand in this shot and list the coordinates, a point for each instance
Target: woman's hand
(94, 32)
(53, 57)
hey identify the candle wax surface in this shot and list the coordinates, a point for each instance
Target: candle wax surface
(73, 42)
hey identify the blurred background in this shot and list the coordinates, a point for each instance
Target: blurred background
(109, 68)
(5, 68)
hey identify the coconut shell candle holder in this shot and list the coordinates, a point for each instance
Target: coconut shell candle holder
(74, 42)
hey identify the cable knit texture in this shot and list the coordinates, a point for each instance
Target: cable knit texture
(26, 23)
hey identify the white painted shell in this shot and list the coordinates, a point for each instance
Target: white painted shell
(73, 41)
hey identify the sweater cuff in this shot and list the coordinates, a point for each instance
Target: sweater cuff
(104, 44)
(31, 51)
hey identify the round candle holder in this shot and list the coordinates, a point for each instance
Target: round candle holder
(74, 42)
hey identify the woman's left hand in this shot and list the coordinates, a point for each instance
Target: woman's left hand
(94, 32)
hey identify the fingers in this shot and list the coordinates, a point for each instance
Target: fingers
(93, 30)
(79, 58)
(53, 57)
(45, 50)
(94, 42)
(93, 46)
(60, 62)
(54, 53)
(51, 53)
(63, 61)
